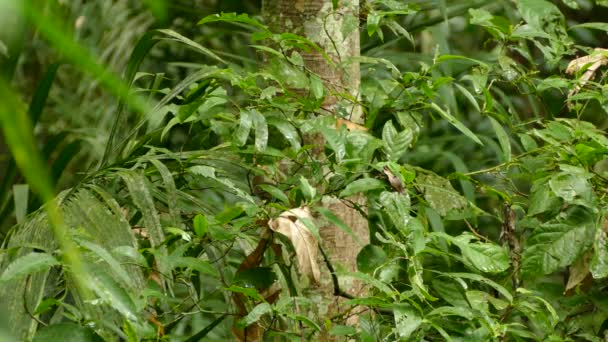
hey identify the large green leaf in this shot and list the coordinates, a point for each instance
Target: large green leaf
(557, 244)
(440, 194)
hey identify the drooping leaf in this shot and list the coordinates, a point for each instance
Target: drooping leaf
(459, 125)
(290, 223)
(558, 244)
(28, 264)
(361, 185)
(254, 315)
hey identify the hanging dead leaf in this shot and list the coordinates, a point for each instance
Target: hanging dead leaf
(395, 181)
(578, 272)
(351, 126)
(594, 61)
(289, 223)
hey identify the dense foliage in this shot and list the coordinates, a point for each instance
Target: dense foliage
(140, 207)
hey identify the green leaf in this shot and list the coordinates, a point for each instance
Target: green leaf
(459, 125)
(194, 45)
(261, 130)
(254, 315)
(397, 206)
(542, 198)
(594, 26)
(361, 185)
(503, 140)
(554, 245)
(308, 190)
(407, 320)
(27, 264)
(342, 330)
(316, 86)
(573, 188)
(245, 124)
(370, 258)
(476, 277)
(232, 18)
(112, 294)
(599, 261)
(288, 130)
(335, 220)
(275, 192)
(66, 332)
(200, 225)
(439, 194)
(395, 143)
(200, 265)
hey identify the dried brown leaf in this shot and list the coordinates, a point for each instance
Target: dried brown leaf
(289, 223)
(594, 61)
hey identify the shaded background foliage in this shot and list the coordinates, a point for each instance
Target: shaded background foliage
(179, 190)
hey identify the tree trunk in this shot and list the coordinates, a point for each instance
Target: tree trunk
(320, 23)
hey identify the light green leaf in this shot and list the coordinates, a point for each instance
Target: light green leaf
(245, 124)
(599, 261)
(503, 140)
(554, 245)
(459, 125)
(316, 86)
(288, 130)
(261, 130)
(275, 192)
(203, 266)
(30, 263)
(476, 277)
(395, 143)
(407, 321)
(254, 315)
(308, 190)
(594, 26)
(201, 226)
(397, 206)
(196, 46)
(361, 185)
(342, 330)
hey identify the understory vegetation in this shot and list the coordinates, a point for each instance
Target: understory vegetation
(161, 177)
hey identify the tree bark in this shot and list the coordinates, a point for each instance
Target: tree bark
(318, 21)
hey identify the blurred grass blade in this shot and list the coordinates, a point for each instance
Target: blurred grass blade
(35, 111)
(18, 132)
(20, 196)
(42, 92)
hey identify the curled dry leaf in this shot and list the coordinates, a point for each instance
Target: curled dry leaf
(289, 223)
(596, 59)
(351, 126)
